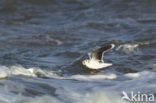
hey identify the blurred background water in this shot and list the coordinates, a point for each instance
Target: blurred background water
(42, 44)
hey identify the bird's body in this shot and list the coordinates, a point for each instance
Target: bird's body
(96, 58)
(97, 65)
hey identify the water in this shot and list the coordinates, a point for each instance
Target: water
(42, 44)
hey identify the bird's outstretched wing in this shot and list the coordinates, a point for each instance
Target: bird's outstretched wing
(98, 53)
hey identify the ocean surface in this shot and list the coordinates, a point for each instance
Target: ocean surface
(43, 43)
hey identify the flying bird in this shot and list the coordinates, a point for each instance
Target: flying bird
(95, 60)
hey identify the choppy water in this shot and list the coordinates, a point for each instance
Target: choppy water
(42, 44)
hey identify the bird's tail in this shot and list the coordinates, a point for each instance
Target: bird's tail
(107, 64)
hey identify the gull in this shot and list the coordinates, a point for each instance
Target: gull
(95, 60)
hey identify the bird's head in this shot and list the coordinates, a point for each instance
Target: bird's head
(84, 62)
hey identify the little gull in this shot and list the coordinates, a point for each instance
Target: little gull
(95, 60)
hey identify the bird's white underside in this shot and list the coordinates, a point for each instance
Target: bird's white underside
(97, 65)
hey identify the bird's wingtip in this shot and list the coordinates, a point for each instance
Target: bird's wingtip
(113, 45)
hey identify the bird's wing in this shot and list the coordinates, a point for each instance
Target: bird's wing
(98, 53)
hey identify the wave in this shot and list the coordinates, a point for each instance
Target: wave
(93, 97)
(21, 71)
(71, 91)
(127, 48)
(103, 97)
(130, 47)
(98, 77)
(22, 99)
(18, 70)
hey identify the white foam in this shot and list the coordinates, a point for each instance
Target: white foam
(133, 75)
(37, 72)
(141, 81)
(79, 92)
(102, 97)
(127, 48)
(4, 72)
(93, 77)
(20, 71)
(98, 96)
(80, 95)
(142, 75)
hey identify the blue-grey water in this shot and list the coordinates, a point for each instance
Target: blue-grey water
(42, 44)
